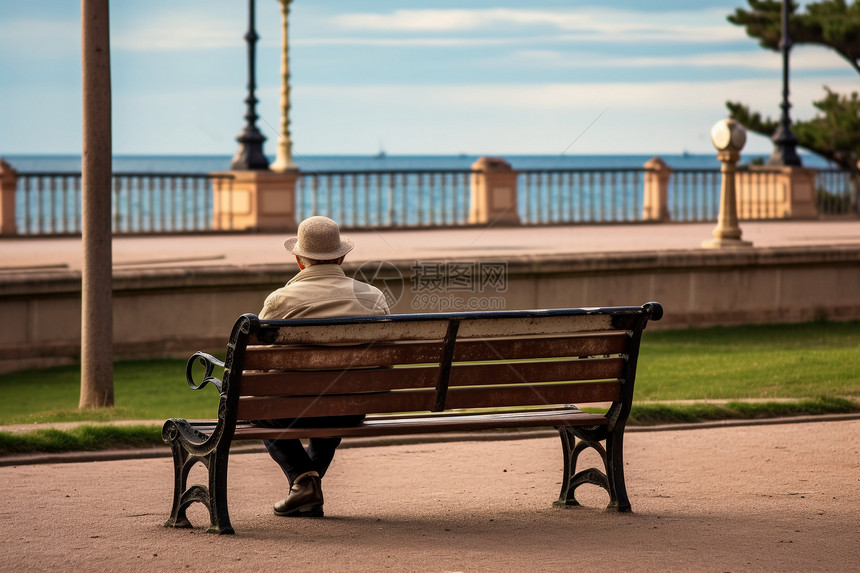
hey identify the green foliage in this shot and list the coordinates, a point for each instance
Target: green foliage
(835, 132)
(831, 23)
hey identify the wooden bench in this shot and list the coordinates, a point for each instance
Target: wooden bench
(444, 372)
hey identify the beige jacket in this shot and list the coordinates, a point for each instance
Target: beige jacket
(323, 291)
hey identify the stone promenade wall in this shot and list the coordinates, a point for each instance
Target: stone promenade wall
(173, 312)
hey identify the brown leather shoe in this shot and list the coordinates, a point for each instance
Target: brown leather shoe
(305, 499)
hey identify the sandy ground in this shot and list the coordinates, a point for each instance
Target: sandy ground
(750, 498)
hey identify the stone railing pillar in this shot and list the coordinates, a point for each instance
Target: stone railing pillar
(655, 205)
(8, 185)
(493, 193)
(263, 201)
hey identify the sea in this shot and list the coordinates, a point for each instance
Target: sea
(380, 162)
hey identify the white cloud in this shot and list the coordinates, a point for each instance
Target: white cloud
(588, 23)
(526, 98)
(812, 58)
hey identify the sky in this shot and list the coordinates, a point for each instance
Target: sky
(421, 77)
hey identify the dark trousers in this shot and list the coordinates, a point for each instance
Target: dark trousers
(292, 456)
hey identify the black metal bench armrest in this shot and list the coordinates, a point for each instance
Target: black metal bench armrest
(654, 310)
(209, 363)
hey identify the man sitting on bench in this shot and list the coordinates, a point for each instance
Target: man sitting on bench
(319, 290)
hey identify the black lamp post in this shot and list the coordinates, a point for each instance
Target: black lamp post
(784, 141)
(250, 154)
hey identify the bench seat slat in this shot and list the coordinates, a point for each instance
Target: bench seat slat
(385, 426)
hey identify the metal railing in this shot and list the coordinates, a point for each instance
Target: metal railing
(143, 203)
(694, 195)
(386, 198)
(835, 193)
(580, 195)
(50, 203)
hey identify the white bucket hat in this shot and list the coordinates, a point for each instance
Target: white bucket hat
(319, 239)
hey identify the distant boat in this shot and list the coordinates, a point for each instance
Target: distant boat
(381, 154)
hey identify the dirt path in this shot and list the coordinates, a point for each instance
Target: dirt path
(752, 498)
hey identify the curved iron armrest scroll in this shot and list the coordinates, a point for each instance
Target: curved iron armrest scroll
(209, 363)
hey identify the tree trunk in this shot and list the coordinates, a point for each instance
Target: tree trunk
(96, 169)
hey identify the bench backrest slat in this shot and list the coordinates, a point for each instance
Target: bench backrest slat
(427, 352)
(532, 395)
(307, 383)
(258, 408)
(489, 327)
(541, 347)
(337, 381)
(368, 333)
(262, 408)
(535, 372)
(339, 357)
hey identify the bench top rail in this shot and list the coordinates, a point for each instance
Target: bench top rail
(434, 326)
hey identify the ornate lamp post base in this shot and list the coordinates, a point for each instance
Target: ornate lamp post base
(250, 154)
(784, 146)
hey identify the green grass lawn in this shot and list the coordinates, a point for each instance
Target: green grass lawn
(143, 390)
(813, 360)
(761, 361)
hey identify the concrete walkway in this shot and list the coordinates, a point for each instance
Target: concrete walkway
(766, 498)
(46, 254)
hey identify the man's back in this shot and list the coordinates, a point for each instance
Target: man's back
(323, 291)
